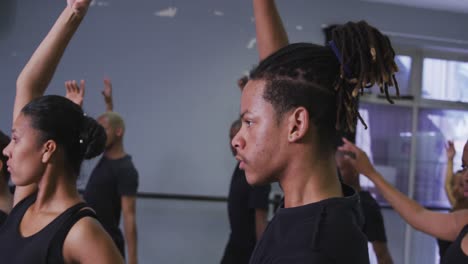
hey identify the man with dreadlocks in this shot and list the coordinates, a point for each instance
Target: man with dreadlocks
(291, 107)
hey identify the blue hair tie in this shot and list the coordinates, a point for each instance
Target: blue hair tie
(333, 46)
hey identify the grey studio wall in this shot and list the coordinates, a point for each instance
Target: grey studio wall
(174, 66)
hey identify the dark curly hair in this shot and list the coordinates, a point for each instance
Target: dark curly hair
(327, 80)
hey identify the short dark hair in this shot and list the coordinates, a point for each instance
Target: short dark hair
(4, 141)
(59, 119)
(312, 76)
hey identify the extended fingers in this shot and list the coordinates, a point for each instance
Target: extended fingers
(67, 86)
(82, 88)
(72, 87)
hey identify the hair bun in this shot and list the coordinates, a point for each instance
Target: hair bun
(92, 137)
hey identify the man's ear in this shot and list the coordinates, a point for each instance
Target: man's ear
(49, 149)
(298, 124)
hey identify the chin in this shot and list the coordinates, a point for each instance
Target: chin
(255, 180)
(18, 182)
(251, 178)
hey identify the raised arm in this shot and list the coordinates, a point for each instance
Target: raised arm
(440, 225)
(271, 35)
(107, 93)
(36, 75)
(450, 149)
(74, 92)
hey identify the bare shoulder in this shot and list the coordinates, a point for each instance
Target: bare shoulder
(85, 228)
(88, 242)
(464, 244)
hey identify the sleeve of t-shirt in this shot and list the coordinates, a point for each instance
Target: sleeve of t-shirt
(258, 197)
(128, 181)
(375, 229)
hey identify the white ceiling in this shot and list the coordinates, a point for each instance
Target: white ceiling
(459, 6)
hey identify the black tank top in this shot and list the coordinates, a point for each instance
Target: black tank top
(42, 247)
(454, 254)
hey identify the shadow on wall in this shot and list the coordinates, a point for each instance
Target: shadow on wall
(7, 17)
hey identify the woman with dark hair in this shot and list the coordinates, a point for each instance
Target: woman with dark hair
(291, 108)
(447, 226)
(51, 137)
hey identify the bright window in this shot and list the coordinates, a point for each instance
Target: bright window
(445, 80)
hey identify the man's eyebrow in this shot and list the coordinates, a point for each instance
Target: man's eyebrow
(244, 113)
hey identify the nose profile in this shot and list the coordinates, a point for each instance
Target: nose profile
(237, 142)
(6, 150)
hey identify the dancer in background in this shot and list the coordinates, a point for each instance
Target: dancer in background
(447, 226)
(112, 187)
(454, 190)
(248, 211)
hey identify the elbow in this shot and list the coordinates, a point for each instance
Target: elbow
(27, 87)
(20, 82)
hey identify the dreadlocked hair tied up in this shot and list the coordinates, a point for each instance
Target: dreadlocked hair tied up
(367, 59)
(327, 80)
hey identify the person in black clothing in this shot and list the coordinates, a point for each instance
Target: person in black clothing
(51, 137)
(291, 108)
(447, 226)
(110, 181)
(6, 198)
(248, 210)
(112, 187)
(374, 227)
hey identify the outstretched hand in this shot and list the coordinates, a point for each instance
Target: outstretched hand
(450, 149)
(79, 7)
(107, 93)
(358, 159)
(75, 93)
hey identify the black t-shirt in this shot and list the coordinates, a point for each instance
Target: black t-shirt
(243, 199)
(109, 181)
(329, 231)
(373, 220)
